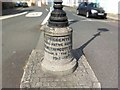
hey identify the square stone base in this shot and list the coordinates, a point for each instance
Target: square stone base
(34, 77)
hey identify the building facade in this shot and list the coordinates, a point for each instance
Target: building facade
(110, 6)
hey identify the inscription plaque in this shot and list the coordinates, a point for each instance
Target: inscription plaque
(58, 58)
(59, 47)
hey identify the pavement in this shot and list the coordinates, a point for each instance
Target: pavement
(34, 77)
(113, 16)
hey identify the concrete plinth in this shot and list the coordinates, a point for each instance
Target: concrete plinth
(34, 77)
(58, 58)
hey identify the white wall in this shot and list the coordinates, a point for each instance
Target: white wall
(46, 2)
(110, 6)
(69, 2)
(119, 7)
(65, 2)
(39, 3)
(43, 1)
(49, 1)
(92, 0)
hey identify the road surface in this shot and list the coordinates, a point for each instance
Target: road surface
(99, 41)
(20, 35)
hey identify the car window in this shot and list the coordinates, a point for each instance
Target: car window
(83, 4)
(94, 5)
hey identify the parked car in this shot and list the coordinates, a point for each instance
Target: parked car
(24, 4)
(18, 4)
(91, 10)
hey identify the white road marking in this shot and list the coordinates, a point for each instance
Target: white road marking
(10, 16)
(70, 20)
(47, 10)
(46, 19)
(34, 14)
(92, 20)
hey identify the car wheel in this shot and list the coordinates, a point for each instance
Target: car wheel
(77, 11)
(87, 14)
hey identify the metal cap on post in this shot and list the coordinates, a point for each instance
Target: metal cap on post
(58, 17)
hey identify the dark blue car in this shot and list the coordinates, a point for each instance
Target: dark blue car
(18, 4)
(91, 10)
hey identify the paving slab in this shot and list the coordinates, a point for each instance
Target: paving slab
(113, 16)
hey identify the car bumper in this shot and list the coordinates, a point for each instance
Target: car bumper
(102, 15)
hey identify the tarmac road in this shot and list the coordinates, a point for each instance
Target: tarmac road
(99, 41)
(19, 37)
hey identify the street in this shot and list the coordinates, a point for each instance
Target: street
(97, 38)
(100, 51)
(19, 37)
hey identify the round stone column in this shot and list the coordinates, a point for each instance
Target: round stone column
(58, 59)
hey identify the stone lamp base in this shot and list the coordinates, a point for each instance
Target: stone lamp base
(58, 59)
(58, 69)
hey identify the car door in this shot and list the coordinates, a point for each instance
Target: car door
(85, 8)
(81, 8)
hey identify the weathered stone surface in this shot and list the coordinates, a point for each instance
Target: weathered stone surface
(58, 57)
(34, 77)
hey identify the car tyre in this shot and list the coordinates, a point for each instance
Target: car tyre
(77, 11)
(87, 14)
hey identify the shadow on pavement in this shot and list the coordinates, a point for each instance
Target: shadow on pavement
(77, 53)
(15, 11)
